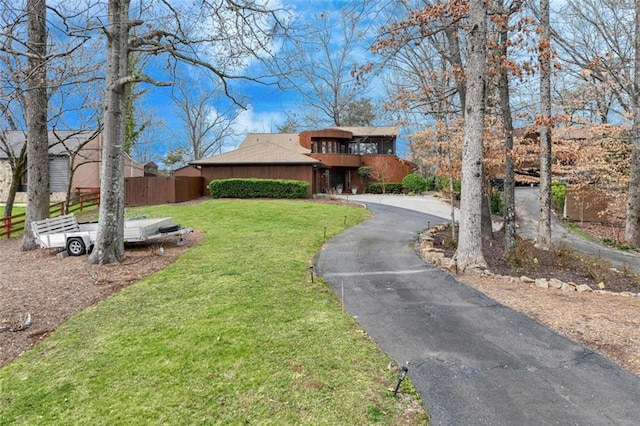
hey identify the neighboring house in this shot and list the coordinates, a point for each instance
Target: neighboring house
(151, 169)
(328, 159)
(86, 163)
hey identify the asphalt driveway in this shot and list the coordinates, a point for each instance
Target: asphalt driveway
(473, 361)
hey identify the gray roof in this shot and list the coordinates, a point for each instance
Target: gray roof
(264, 148)
(72, 140)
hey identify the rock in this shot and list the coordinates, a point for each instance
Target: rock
(583, 288)
(426, 242)
(431, 256)
(567, 287)
(555, 283)
(474, 270)
(449, 264)
(433, 250)
(488, 273)
(542, 283)
(527, 280)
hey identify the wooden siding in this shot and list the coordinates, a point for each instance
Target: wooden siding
(186, 171)
(396, 167)
(338, 160)
(147, 191)
(306, 137)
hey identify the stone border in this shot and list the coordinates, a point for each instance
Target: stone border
(435, 256)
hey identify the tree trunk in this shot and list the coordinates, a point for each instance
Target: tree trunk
(469, 250)
(36, 117)
(454, 233)
(486, 221)
(507, 122)
(18, 169)
(109, 245)
(544, 219)
(632, 228)
(455, 58)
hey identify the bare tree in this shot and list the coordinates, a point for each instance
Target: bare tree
(469, 251)
(543, 239)
(36, 74)
(109, 246)
(632, 227)
(74, 143)
(321, 63)
(16, 157)
(36, 118)
(18, 164)
(220, 37)
(595, 42)
(207, 120)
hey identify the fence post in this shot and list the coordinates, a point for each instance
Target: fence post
(7, 226)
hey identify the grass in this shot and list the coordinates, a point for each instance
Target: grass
(15, 211)
(576, 229)
(232, 333)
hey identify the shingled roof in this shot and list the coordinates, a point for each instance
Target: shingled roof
(72, 140)
(264, 148)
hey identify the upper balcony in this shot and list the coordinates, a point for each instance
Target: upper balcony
(338, 160)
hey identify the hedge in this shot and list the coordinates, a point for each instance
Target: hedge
(389, 188)
(258, 188)
(414, 183)
(558, 194)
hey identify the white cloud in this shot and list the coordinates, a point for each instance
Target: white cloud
(251, 121)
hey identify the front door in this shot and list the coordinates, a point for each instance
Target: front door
(336, 180)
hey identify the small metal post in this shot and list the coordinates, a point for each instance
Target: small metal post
(311, 272)
(403, 374)
(428, 224)
(325, 232)
(345, 220)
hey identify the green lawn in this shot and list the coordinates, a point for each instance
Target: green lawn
(16, 209)
(234, 332)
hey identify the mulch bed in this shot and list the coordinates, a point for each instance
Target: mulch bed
(562, 263)
(50, 289)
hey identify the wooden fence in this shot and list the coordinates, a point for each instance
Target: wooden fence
(586, 204)
(152, 190)
(84, 199)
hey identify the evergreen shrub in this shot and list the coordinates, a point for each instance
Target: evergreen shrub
(385, 188)
(414, 183)
(558, 194)
(258, 188)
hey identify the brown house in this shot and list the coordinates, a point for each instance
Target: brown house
(328, 159)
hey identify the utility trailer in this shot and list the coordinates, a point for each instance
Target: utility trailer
(78, 238)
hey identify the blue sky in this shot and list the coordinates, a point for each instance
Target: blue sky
(266, 105)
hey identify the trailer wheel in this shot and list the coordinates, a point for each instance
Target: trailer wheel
(76, 247)
(168, 228)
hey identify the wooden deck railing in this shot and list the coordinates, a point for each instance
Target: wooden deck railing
(84, 199)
